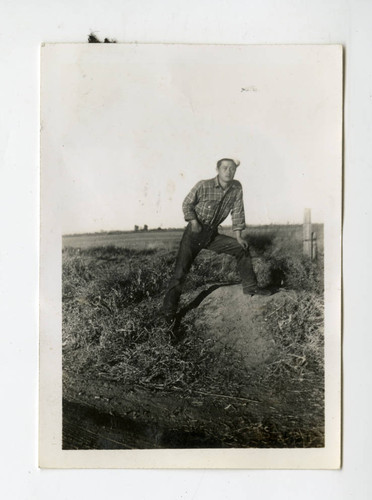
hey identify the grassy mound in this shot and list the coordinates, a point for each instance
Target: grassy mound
(112, 330)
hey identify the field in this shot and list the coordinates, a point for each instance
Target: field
(127, 384)
(136, 240)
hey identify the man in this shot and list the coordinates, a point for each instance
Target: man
(205, 208)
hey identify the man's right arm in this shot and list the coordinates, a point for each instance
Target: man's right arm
(188, 208)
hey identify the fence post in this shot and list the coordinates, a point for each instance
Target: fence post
(307, 233)
(314, 246)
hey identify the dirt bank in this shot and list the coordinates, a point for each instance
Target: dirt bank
(239, 322)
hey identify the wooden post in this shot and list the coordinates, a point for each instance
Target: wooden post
(314, 246)
(307, 233)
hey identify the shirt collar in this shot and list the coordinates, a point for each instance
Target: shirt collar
(217, 184)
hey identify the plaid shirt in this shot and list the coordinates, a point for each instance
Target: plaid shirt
(209, 203)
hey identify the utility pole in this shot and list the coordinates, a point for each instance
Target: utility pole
(307, 236)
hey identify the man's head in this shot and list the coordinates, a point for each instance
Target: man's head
(226, 168)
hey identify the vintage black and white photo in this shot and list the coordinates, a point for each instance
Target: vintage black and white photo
(190, 255)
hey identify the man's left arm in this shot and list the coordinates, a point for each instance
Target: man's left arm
(238, 218)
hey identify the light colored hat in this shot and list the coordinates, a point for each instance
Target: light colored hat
(235, 160)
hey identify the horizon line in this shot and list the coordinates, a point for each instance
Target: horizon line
(141, 230)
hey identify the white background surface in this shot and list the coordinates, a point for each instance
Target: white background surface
(24, 26)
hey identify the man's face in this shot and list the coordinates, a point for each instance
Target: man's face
(226, 171)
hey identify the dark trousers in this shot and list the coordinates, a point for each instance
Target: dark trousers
(190, 246)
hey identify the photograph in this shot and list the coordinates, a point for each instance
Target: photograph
(190, 255)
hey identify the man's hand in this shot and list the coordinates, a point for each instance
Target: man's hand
(242, 242)
(195, 226)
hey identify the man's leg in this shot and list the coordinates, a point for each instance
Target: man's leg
(228, 245)
(190, 246)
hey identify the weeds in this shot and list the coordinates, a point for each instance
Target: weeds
(112, 330)
(111, 299)
(297, 328)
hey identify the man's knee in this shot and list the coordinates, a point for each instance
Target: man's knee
(236, 249)
(225, 244)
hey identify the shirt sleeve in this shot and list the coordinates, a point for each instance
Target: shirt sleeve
(189, 203)
(237, 212)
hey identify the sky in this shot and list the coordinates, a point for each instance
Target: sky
(127, 130)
